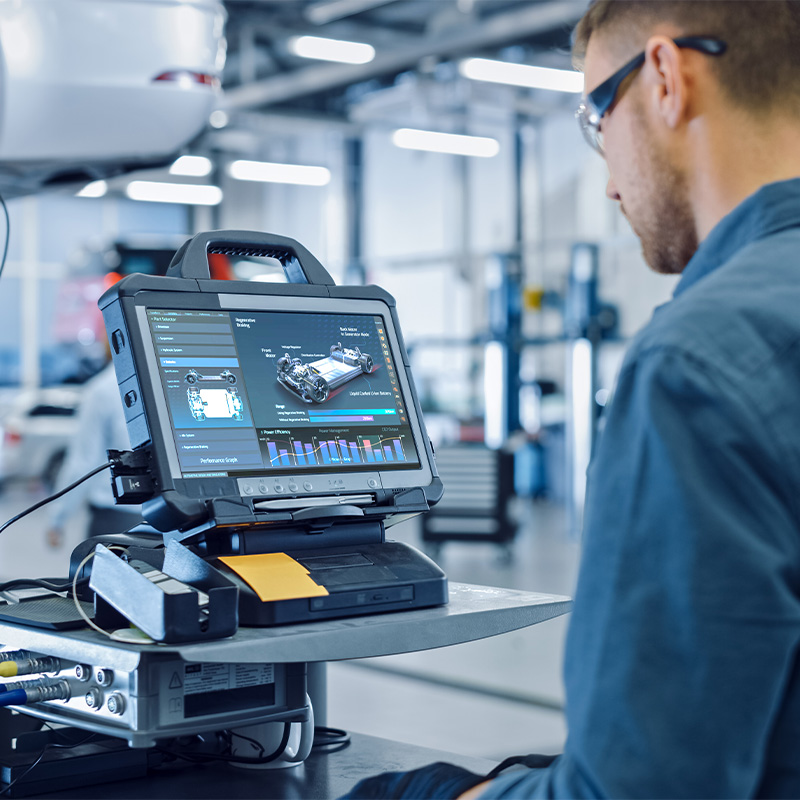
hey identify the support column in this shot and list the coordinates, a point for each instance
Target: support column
(583, 332)
(29, 295)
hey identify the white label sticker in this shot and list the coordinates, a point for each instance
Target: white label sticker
(200, 678)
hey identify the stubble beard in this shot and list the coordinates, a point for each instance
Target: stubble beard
(664, 222)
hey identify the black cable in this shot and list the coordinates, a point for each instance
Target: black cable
(256, 744)
(20, 777)
(8, 234)
(198, 757)
(41, 755)
(55, 496)
(330, 737)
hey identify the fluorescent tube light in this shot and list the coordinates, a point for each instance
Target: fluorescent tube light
(557, 80)
(494, 378)
(194, 166)
(188, 193)
(93, 189)
(331, 49)
(454, 143)
(268, 172)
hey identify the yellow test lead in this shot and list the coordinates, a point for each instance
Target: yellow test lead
(8, 669)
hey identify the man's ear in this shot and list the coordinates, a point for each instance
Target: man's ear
(667, 80)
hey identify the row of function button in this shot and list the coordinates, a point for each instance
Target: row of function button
(261, 487)
(277, 488)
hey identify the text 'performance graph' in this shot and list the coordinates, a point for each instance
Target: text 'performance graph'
(334, 451)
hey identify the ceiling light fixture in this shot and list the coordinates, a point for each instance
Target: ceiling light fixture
(193, 166)
(93, 189)
(186, 193)
(453, 143)
(268, 172)
(557, 80)
(331, 49)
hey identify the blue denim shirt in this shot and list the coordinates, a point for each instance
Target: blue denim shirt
(682, 671)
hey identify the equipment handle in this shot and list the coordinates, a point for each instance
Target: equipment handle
(306, 738)
(191, 260)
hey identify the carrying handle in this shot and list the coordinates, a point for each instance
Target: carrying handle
(191, 260)
(306, 738)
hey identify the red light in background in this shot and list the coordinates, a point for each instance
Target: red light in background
(181, 75)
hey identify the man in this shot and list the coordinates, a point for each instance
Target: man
(683, 656)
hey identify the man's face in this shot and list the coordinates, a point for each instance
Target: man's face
(645, 175)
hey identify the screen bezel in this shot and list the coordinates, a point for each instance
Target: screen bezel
(355, 481)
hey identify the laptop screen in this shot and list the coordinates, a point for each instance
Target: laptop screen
(281, 392)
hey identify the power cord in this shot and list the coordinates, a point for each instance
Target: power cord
(255, 744)
(38, 759)
(58, 494)
(203, 756)
(334, 738)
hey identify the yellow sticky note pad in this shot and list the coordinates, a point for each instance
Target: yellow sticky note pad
(274, 576)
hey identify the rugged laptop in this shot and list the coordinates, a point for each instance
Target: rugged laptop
(280, 430)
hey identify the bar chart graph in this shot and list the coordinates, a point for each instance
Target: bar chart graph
(376, 449)
(335, 451)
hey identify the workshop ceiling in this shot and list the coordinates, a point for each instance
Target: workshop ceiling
(408, 36)
(265, 83)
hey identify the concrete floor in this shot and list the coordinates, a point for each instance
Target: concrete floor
(492, 698)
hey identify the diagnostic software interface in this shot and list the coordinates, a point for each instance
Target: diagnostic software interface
(254, 392)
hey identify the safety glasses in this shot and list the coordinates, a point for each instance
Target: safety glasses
(597, 103)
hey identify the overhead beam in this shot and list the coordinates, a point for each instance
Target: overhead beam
(330, 10)
(496, 31)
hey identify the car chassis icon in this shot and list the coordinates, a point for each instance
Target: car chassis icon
(215, 403)
(193, 376)
(313, 382)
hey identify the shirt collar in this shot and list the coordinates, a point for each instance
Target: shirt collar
(772, 208)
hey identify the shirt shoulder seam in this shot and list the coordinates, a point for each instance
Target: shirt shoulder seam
(740, 394)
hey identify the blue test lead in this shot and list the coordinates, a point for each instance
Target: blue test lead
(16, 697)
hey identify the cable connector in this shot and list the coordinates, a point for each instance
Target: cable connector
(11, 667)
(12, 655)
(130, 479)
(57, 690)
(129, 462)
(37, 691)
(15, 686)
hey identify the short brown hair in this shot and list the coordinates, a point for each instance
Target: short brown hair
(761, 67)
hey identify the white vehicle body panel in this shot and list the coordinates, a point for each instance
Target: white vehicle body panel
(77, 77)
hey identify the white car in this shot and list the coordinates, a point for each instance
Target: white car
(36, 432)
(90, 88)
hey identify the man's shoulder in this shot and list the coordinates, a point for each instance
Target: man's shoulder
(736, 320)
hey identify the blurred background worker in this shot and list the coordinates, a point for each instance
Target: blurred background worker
(100, 427)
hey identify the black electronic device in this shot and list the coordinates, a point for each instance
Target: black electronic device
(175, 596)
(273, 418)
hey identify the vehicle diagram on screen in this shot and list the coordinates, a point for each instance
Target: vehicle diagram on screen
(193, 376)
(313, 382)
(215, 403)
